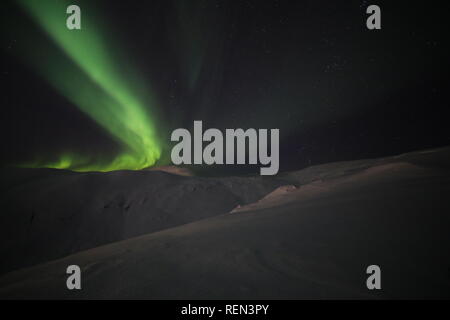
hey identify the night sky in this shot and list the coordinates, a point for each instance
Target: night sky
(336, 90)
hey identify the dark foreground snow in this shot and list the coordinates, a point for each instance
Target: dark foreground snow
(156, 235)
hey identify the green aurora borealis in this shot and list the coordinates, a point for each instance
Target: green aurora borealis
(106, 97)
(95, 85)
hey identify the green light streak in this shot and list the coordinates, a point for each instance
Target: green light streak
(97, 88)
